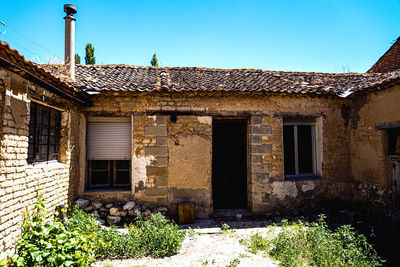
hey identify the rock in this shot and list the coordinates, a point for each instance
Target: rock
(88, 209)
(133, 212)
(95, 213)
(129, 205)
(97, 205)
(109, 205)
(101, 221)
(82, 203)
(103, 212)
(154, 210)
(113, 219)
(162, 209)
(146, 213)
(116, 211)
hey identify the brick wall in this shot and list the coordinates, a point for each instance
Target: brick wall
(20, 182)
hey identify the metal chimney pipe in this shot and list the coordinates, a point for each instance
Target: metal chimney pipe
(69, 55)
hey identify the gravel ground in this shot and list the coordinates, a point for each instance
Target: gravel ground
(209, 247)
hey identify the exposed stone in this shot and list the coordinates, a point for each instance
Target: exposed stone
(101, 221)
(113, 219)
(162, 209)
(82, 203)
(88, 209)
(97, 205)
(133, 212)
(129, 205)
(109, 205)
(116, 211)
(95, 213)
(103, 212)
(146, 213)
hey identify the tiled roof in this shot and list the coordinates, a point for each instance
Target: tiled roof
(12, 60)
(176, 79)
(390, 61)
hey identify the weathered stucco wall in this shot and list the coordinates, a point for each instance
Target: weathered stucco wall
(20, 182)
(190, 159)
(268, 191)
(370, 162)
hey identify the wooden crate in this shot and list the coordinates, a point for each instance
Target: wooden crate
(185, 213)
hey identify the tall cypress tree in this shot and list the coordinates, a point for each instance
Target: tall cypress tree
(90, 58)
(77, 59)
(154, 61)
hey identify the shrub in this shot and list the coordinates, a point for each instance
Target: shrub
(314, 244)
(49, 244)
(107, 242)
(158, 236)
(52, 244)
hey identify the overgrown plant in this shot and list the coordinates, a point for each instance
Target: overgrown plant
(158, 236)
(49, 243)
(107, 242)
(303, 244)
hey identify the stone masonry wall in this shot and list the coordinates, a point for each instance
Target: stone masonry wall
(20, 182)
(268, 190)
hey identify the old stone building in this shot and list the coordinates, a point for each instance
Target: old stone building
(38, 133)
(240, 139)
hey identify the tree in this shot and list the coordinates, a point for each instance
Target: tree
(77, 59)
(154, 61)
(90, 58)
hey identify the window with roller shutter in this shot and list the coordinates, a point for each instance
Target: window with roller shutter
(109, 153)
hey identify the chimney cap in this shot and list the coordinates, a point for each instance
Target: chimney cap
(70, 9)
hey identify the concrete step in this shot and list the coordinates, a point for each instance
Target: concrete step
(231, 214)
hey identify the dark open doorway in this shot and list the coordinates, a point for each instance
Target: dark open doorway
(229, 173)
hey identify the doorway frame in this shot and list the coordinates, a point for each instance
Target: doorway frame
(247, 125)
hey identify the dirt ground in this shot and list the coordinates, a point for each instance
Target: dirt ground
(209, 246)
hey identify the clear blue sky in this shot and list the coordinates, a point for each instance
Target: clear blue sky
(298, 35)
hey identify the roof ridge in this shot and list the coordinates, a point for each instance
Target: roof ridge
(221, 69)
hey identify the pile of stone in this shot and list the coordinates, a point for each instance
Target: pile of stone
(118, 213)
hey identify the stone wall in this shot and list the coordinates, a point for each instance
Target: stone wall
(20, 182)
(188, 158)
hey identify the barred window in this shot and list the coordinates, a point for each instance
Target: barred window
(44, 133)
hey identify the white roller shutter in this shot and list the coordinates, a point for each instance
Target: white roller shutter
(108, 140)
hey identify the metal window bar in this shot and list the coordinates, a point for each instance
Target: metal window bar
(36, 122)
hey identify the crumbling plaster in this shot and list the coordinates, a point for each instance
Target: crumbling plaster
(189, 149)
(370, 162)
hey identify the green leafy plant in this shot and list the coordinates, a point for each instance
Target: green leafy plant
(49, 243)
(107, 242)
(314, 244)
(255, 243)
(226, 229)
(158, 236)
(235, 262)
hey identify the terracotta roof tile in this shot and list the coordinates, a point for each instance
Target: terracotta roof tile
(390, 61)
(149, 79)
(12, 60)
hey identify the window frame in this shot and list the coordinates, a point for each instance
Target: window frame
(112, 168)
(37, 123)
(295, 122)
